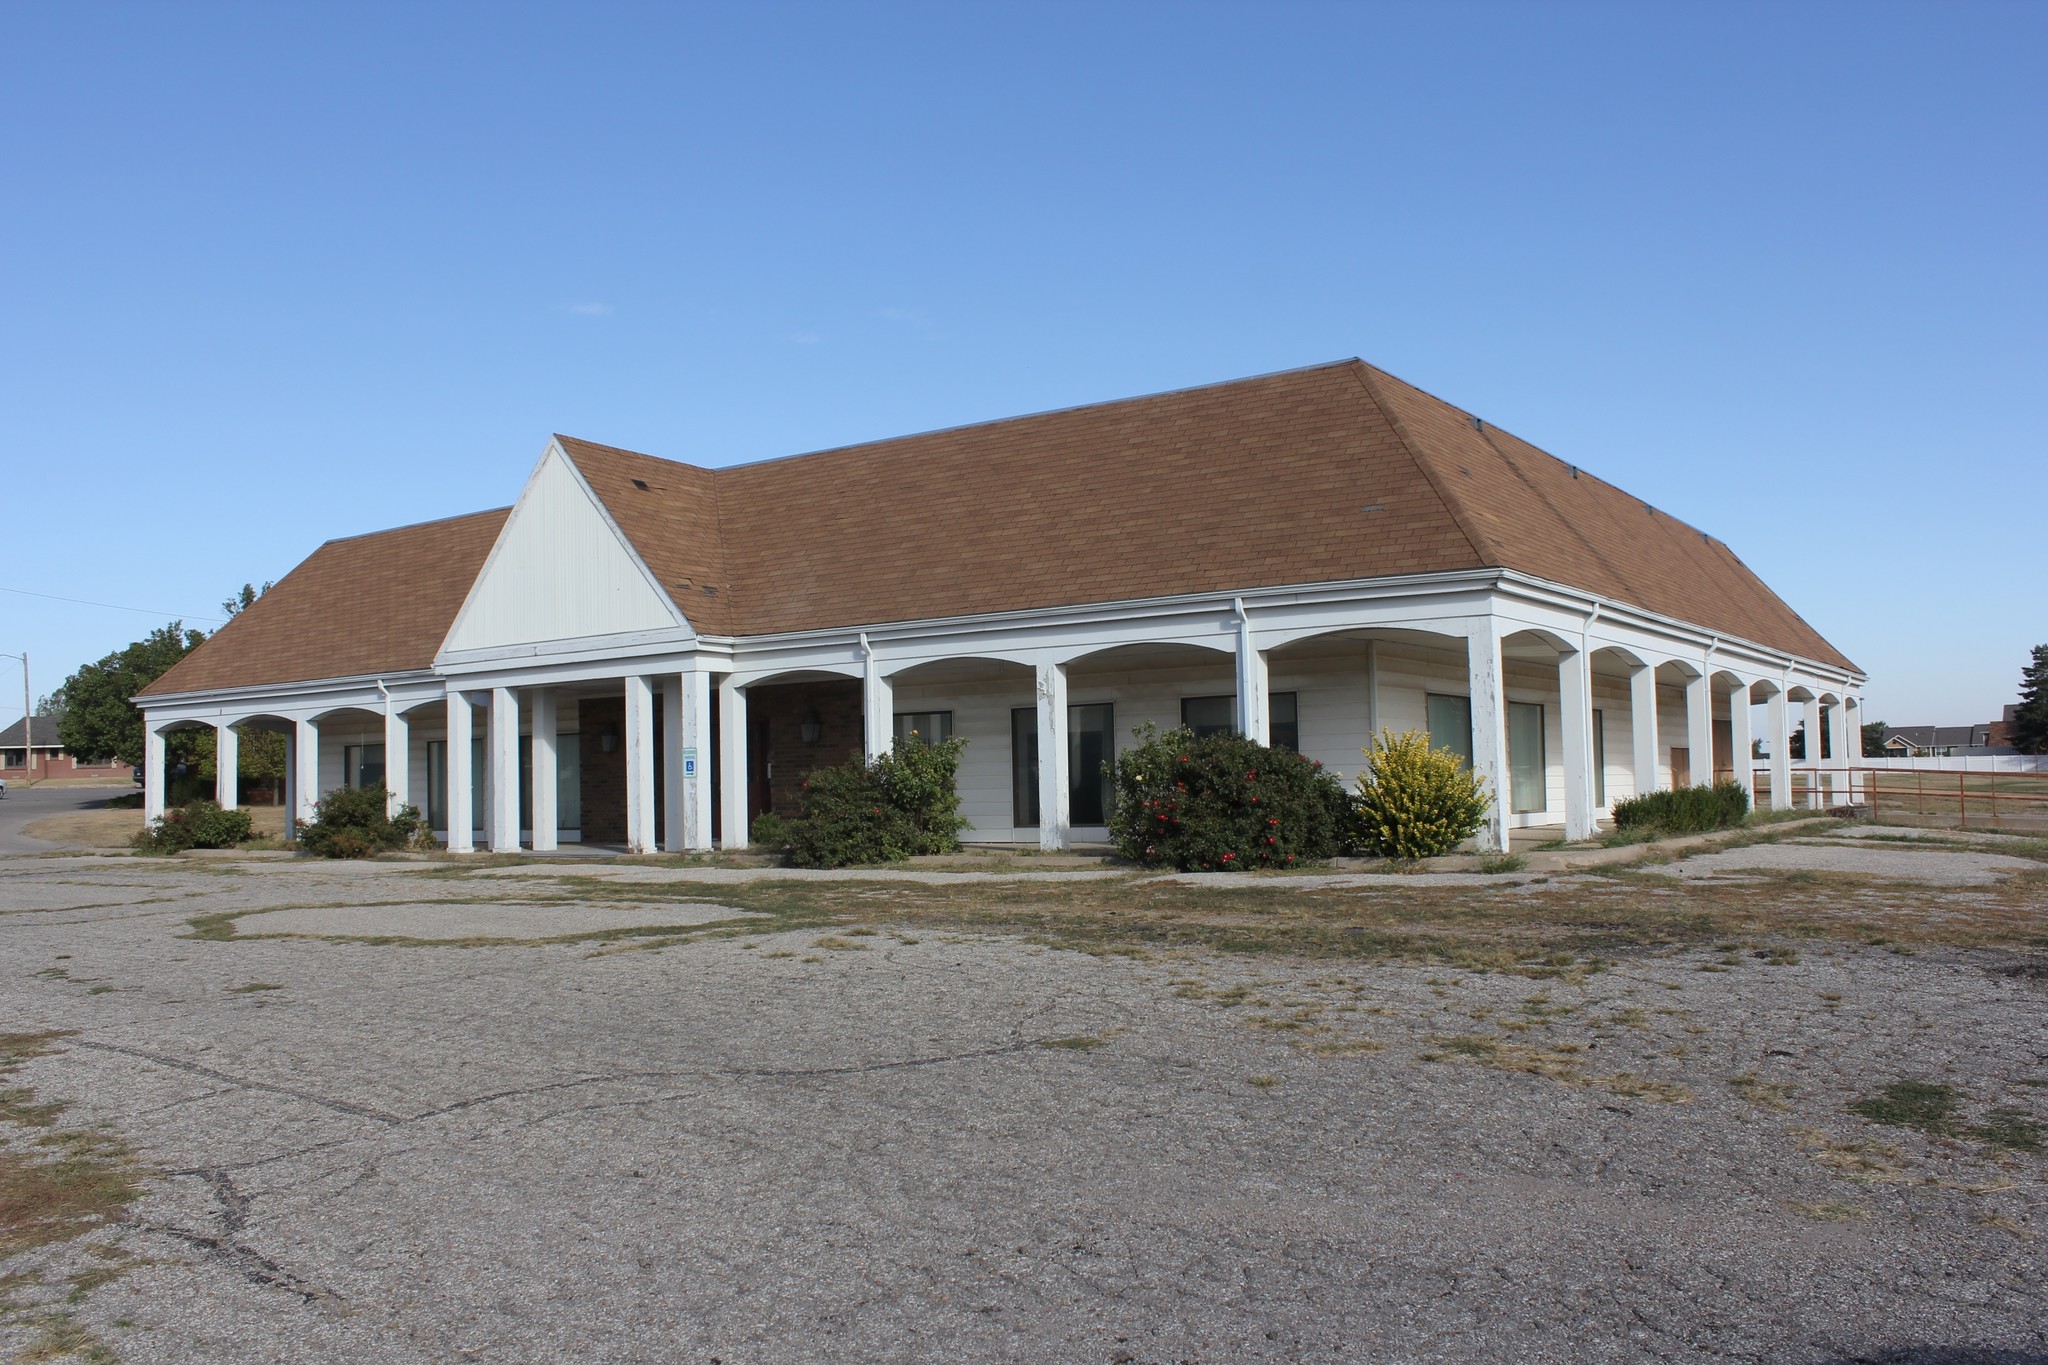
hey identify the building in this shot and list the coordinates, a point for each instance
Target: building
(1945, 741)
(52, 760)
(645, 652)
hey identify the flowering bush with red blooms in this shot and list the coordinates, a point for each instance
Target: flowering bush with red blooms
(1224, 803)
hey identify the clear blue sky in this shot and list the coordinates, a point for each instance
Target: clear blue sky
(275, 273)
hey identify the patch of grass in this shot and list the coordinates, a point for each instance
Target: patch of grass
(839, 945)
(779, 952)
(1991, 1219)
(1506, 862)
(1262, 1082)
(253, 987)
(1346, 1047)
(70, 1181)
(1779, 957)
(1762, 1093)
(1922, 1105)
(2008, 1127)
(60, 1337)
(1870, 1161)
(1080, 1042)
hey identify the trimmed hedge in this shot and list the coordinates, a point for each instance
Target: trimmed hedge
(1223, 804)
(196, 824)
(1687, 810)
(351, 822)
(1415, 801)
(905, 804)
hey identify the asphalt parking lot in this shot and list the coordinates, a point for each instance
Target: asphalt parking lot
(24, 805)
(751, 1140)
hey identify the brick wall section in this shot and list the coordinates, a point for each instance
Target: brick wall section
(783, 707)
(604, 774)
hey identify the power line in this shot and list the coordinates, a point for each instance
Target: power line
(115, 606)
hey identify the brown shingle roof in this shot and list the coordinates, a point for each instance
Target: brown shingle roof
(1330, 473)
(1254, 483)
(379, 603)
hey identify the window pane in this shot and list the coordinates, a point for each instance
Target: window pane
(569, 781)
(369, 766)
(1450, 725)
(1024, 766)
(1089, 748)
(1525, 756)
(1209, 715)
(1282, 720)
(930, 727)
(1599, 758)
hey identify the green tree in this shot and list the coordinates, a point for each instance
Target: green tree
(1873, 739)
(2030, 719)
(99, 722)
(232, 607)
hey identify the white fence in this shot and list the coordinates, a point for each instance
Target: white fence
(1961, 763)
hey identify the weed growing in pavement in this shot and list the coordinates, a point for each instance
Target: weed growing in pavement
(1080, 1042)
(1262, 1082)
(1937, 1111)
(64, 1182)
(1506, 862)
(1762, 1093)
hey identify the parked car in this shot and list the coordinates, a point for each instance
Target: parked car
(3, 786)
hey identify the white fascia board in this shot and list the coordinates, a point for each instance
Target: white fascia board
(553, 672)
(1189, 613)
(554, 451)
(297, 698)
(1691, 641)
(590, 648)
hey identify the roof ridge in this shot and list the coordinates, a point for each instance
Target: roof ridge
(1567, 522)
(1461, 517)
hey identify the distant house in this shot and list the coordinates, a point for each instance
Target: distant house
(1945, 741)
(51, 759)
(2001, 729)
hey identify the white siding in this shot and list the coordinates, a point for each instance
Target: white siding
(558, 572)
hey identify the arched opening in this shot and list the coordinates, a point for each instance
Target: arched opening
(992, 705)
(1340, 688)
(797, 722)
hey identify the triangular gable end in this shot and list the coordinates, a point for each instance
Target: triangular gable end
(561, 571)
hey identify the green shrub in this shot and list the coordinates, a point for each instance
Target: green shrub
(1687, 810)
(905, 804)
(1223, 803)
(1415, 801)
(196, 824)
(351, 822)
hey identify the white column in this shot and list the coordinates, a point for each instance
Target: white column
(306, 760)
(1575, 732)
(461, 819)
(397, 758)
(1052, 757)
(1851, 747)
(673, 817)
(1781, 752)
(1642, 715)
(1813, 758)
(547, 769)
(291, 782)
(503, 748)
(227, 759)
(732, 758)
(1699, 731)
(877, 707)
(694, 687)
(1739, 740)
(1489, 730)
(152, 771)
(639, 766)
(1254, 711)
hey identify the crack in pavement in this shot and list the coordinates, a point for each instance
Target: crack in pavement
(338, 1106)
(251, 1265)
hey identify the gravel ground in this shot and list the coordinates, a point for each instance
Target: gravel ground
(1935, 867)
(916, 1146)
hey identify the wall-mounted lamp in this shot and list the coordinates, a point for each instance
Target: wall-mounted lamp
(811, 726)
(608, 739)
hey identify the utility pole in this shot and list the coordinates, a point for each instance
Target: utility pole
(28, 722)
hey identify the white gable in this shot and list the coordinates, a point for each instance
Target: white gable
(560, 571)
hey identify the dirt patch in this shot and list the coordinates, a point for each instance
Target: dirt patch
(428, 920)
(115, 828)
